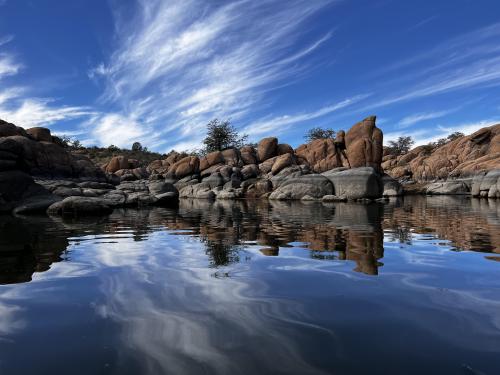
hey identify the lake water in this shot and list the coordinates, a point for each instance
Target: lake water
(407, 287)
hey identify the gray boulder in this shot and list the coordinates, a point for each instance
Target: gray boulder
(447, 188)
(313, 185)
(201, 191)
(486, 186)
(214, 180)
(356, 183)
(160, 187)
(392, 188)
(80, 206)
(36, 204)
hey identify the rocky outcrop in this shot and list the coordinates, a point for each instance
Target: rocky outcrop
(464, 157)
(364, 143)
(34, 152)
(19, 189)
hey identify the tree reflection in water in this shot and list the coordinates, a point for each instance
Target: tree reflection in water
(334, 231)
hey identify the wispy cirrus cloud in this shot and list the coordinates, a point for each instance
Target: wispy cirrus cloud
(279, 124)
(19, 107)
(469, 61)
(8, 66)
(194, 60)
(420, 117)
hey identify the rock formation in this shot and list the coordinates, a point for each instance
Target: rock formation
(464, 157)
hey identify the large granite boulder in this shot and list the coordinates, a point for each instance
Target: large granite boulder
(249, 171)
(283, 161)
(486, 185)
(19, 192)
(248, 155)
(200, 191)
(257, 188)
(40, 134)
(117, 163)
(186, 166)
(8, 130)
(285, 148)
(267, 148)
(267, 165)
(356, 183)
(314, 186)
(392, 188)
(448, 188)
(364, 143)
(76, 206)
(321, 155)
(232, 157)
(211, 159)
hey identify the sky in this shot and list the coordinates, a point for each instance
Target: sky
(157, 71)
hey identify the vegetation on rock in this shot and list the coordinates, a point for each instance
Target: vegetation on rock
(222, 135)
(319, 133)
(401, 146)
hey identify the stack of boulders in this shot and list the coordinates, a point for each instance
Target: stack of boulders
(34, 153)
(124, 169)
(38, 174)
(347, 167)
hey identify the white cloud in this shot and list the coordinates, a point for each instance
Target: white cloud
(18, 107)
(419, 117)
(116, 129)
(38, 112)
(8, 66)
(6, 39)
(208, 60)
(471, 60)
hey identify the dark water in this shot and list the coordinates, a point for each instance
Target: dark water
(409, 287)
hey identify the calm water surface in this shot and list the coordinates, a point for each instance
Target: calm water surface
(408, 287)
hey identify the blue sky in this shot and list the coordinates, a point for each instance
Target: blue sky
(156, 71)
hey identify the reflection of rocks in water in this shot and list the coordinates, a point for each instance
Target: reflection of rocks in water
(330, 231)
(470, 224)
(333, 231)
(27, 246)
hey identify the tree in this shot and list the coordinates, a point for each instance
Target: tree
(222, 135)
(137, 147)
(319, 133)
(454, 136)
(76, 144)
(401, 146)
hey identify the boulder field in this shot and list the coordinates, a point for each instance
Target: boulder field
(38, 174)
